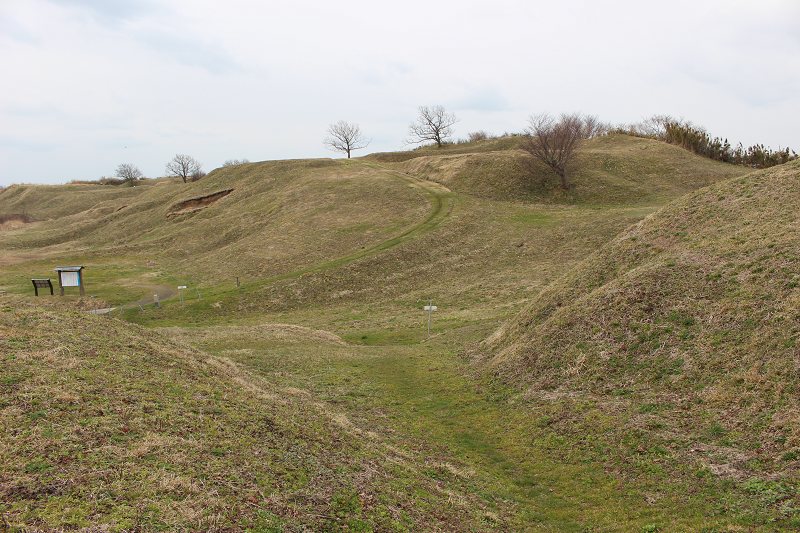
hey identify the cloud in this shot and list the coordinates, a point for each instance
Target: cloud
(166, 31)
(262, 80)
(19, 33)
(26, 145)
(485, 99)
(116, 10)
(190, 52)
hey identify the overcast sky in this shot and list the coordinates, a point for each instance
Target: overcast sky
(86, 85)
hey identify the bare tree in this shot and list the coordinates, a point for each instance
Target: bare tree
(553, 142)
(479, 135)
(344, 137)
(592, 127)
(433, 124)
(183, 166)
(128, 173)
(654, 127)
(231, 162)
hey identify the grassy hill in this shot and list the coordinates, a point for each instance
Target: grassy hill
(682, 333)
(114, 428)
(619, 396)
(276, 214)
(608, 170)
(285, 220)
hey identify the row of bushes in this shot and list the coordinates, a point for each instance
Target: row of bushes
(684, 134)
(102, 181)
(197, 176)
(695, 139)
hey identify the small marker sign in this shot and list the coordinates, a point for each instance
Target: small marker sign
(180, 292)
(430, 308)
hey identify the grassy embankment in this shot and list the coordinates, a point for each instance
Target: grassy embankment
(106, 425)
(681, 334)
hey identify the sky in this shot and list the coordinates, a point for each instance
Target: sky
(87, 85)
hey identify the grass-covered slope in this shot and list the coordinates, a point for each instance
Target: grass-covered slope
(686, 327)
(311, 233)
(608, 170)
(278, 215)
(108, 427)
(710, 279)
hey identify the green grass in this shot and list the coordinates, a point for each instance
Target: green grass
(112, 426)
(577, 466)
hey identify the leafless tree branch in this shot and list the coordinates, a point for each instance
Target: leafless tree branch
(183, 166)
(344, 137)
(553, 142)
(433, 124)
(128, 173)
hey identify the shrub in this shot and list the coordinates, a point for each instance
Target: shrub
(696, 139)
(479, 136)
(231, 162)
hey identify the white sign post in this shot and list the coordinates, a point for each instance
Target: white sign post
(180, 291)
(430, 309)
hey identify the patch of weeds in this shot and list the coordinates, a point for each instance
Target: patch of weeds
(791, 455)
(10, 381)
(345, 504)
(769, 492)
(716, 431)
(659, 451)
(650, 408)
(438, 474)
(37, 466)
(701, 473)
(37, 415)
(266, 522)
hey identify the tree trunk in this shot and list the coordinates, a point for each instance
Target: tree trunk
(562, 174)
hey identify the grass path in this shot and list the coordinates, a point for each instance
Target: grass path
(424, 393)
(430, 397)
(442, 200)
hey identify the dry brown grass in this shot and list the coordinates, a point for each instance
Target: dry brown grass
(608, 170)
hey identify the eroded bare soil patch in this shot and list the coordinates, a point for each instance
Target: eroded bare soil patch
(196, 204)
